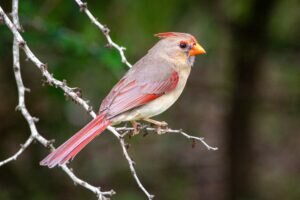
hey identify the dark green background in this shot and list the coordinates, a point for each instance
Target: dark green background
(243, 96)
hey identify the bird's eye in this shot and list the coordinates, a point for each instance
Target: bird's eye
(183, 45)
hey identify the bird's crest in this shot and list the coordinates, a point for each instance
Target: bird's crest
(174, 34)
(166, 34)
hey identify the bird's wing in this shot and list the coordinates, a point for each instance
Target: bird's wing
(138, 87)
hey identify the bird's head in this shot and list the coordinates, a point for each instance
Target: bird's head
(180, 46)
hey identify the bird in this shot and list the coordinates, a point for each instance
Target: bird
(147, 89)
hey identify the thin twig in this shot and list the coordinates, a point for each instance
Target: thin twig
(169, 130)
(96, 190)
(19, 152)
(105, 30)
(131, 163)
(132, 169)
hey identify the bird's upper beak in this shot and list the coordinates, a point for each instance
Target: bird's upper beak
(196, 50)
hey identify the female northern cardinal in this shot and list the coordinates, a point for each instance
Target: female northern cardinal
(149, 88)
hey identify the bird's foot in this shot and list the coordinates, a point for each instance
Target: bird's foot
(161, 126)
(136, 128)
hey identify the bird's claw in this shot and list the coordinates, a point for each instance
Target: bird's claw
(161, 127)
(136, 128)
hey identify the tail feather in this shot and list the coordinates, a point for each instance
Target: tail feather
(76, 143)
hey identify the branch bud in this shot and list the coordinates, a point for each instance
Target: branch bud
(105, 29)
(64, 82)
(20, 28)
(127, 145)
(35, 119)
(90, 109)
(50, 143)
(108, 45)
(83, 6)
(27, 89)
(133, 163)
(22, 44)
(16, 68)
(146, 132)
(18, 108)
(78, 91)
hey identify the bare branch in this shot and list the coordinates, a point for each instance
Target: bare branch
(127, 130)
(32, 120)
(132, 169)
(131, 163)
(193, 138)
(19, 152)
(100, 195)
(105, 30)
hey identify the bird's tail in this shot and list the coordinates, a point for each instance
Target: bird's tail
(77, 142)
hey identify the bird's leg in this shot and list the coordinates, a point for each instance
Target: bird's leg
(160, 125)
(157, 123)
(136, 127)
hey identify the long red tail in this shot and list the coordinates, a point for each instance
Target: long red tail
(76, 143)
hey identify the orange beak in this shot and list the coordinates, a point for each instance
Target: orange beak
(196, 50)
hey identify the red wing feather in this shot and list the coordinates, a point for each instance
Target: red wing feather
(127, 95)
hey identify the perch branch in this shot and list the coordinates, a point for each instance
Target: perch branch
(127, 130)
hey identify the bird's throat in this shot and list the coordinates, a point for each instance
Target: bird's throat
(191, 60)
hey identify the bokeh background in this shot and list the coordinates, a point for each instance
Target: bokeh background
(243, 96)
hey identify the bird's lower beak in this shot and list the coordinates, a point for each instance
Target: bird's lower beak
(196, 50)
